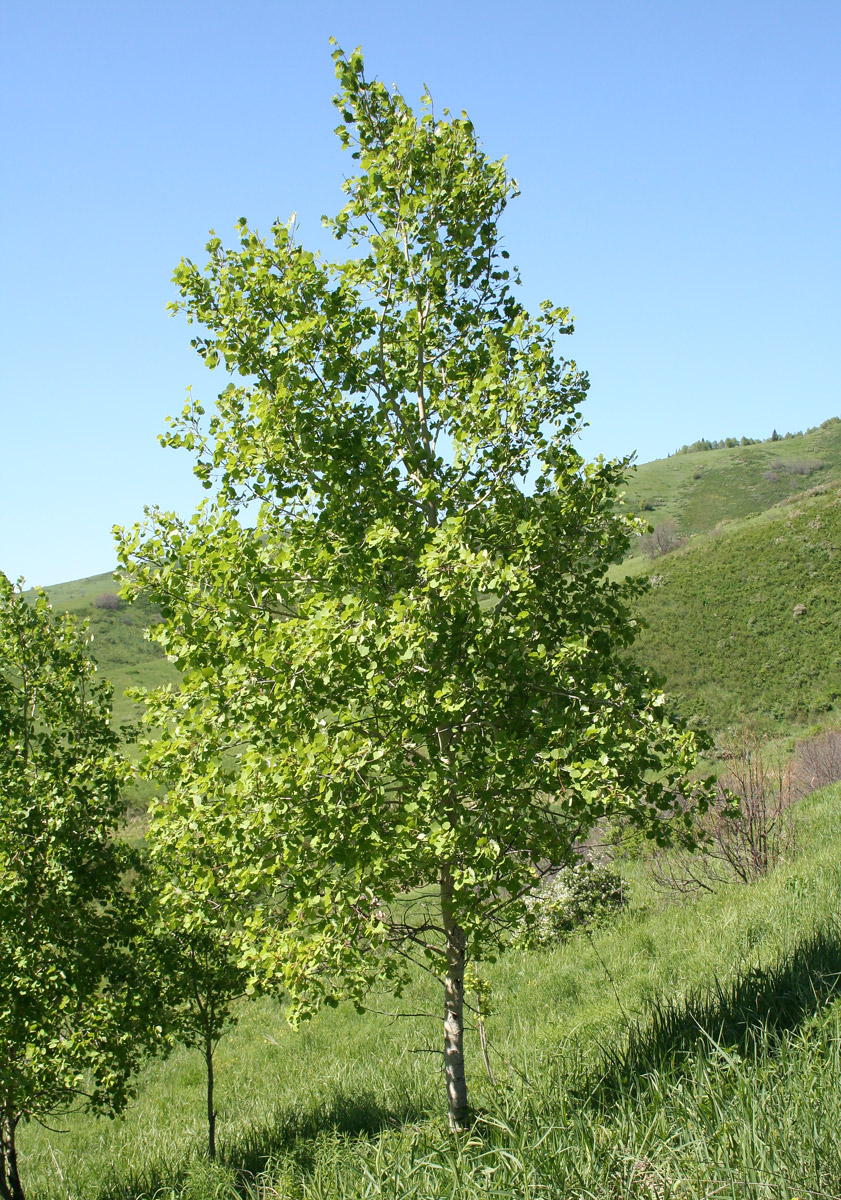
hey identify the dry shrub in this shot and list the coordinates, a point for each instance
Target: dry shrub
(107, 600)
(662, 540)
(805, 466)
(753, 834)
(817, 762)
(748, 827)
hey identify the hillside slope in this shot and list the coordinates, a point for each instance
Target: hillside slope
(743, 624)
(762, 523)
(700, 489)
(123, 654)
(689, 1051)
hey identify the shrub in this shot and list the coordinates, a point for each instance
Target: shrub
(573, 897)
(107, 600)
(797, 466)
(662, 540)
(817, 762)
(748, 827)
(752, 840)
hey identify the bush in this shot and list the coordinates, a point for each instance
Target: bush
(107, 600)
(817, 762)
(571, 898)
(748, 827)
(662, 540)
(798, 466)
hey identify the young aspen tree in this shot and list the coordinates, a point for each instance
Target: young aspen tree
(189, 945)
(74, 1015)
(415, 658)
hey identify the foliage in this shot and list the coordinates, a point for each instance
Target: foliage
(728, 485)
(405, 675)
(71, 1003)
(189, 944)
(571, 898)
(724, 443)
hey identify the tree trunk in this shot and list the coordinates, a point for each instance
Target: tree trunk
(10, 1185)
(454, 1074)
(5, 1194)
(211, 1112)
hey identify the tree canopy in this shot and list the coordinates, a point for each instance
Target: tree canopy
(406, 688)
(71, 1003)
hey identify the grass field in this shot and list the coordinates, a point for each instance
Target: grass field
(692, 1050)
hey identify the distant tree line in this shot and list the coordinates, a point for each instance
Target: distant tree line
(706, 444)
(728, 442)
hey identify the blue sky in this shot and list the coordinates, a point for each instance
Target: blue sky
(680, 176)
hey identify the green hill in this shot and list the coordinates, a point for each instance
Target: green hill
(698, 490)
(762, 528)
(743, 624)
(123, 654)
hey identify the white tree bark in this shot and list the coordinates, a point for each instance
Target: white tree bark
(454, 1074)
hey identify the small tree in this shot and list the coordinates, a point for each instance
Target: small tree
(417, 665)
(190, 946)
(71, 1001)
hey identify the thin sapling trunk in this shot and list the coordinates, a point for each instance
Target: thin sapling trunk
(454, 1074)
(10, 1185)
(211, 1112)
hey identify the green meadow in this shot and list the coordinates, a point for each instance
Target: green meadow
(691, 1049)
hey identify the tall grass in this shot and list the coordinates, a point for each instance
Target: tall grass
(690, 1051)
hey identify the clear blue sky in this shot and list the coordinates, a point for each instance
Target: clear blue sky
(679, 166)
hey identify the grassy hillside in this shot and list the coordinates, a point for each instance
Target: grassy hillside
(122, 653)
(722, 630)
(744, 622)
(690, 1051)
(701, 489)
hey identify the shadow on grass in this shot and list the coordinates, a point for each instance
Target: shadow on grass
(749, 1015)
(294, 1136)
